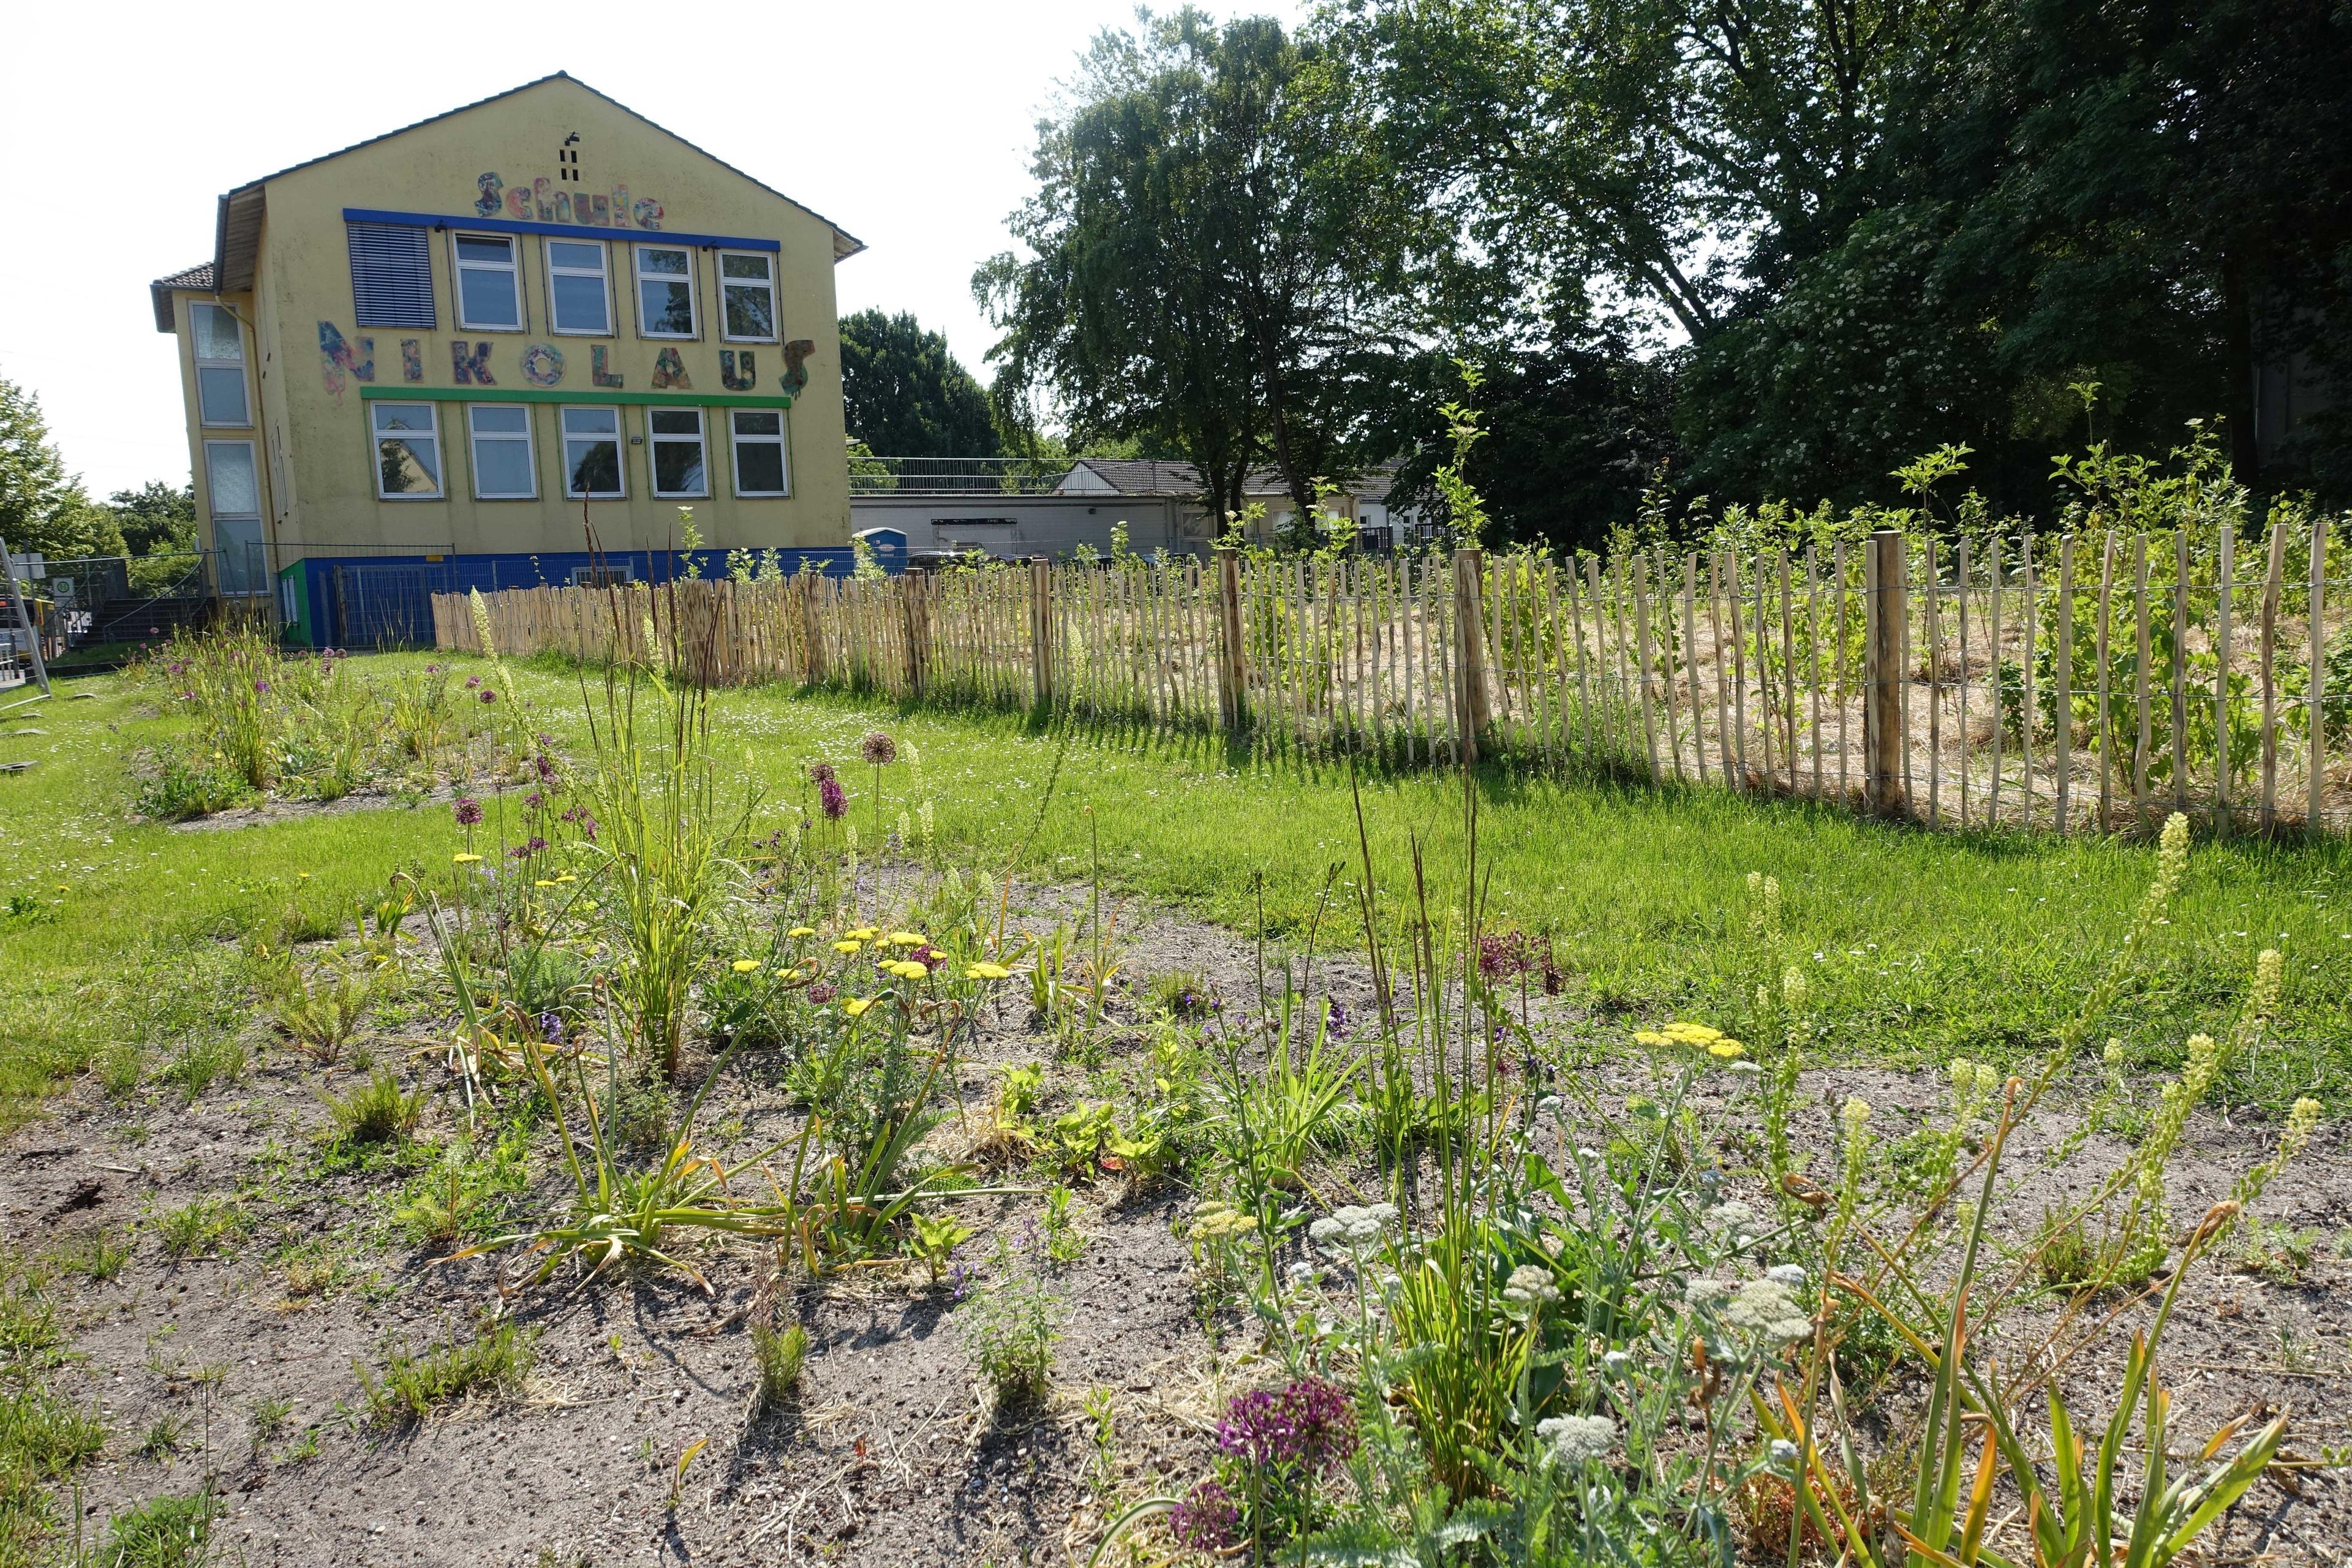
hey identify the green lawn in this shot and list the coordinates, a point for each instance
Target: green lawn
(1915, 945)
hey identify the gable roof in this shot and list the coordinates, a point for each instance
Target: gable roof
(200, 276)
(237, 232)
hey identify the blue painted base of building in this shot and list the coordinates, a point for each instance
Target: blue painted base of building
(386, 601)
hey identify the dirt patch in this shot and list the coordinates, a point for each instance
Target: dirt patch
(886, 1455)
(275, 810)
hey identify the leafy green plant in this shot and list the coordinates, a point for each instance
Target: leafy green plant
(1011, 1326)
(318, 1014)
(936, 1238)
(203, 1226)
(164, 1533)
(377, 1111)
(412, 1385)
(780, 1354)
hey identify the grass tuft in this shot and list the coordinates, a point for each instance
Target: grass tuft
(412, 1386)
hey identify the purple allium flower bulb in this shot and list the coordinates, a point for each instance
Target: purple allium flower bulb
(1206, 1520)
(820, 993)
(468, 812)
(820, 773)
(260, 687)
(834, 798)
(879, 749)
(488, 696)
(472, 681)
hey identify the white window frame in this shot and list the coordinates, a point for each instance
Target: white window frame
(432, 433)
(620, 439)
(554, 269)
(528, 440)
(244, 386)
(693, 294)
(781, 440)
(655, 443)
(459, 267)
(775, 316)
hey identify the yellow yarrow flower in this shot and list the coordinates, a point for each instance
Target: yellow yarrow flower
(543, 882)
(846, 945)
(460, 858)
(1650, 1038)
(905, 939)
(862, 933)
(856, 1005)
(746, 965)
(1726, 1049)
(802, 930)
(987, 972)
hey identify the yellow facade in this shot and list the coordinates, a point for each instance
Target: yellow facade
(509, 172)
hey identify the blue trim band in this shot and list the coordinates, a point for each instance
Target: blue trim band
(562, 230)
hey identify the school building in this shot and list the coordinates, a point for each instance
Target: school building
(447, 357)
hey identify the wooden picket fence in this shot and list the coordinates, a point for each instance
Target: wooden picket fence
(2064, 683)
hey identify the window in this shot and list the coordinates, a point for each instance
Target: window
(759, 466)
(392, 275)
(611, 573)
(489, 287)
(407, 451)
(503, 465)
(679, 468)
(233, 493)
(665, 292)
(577, 298)
(220, 366)
(747, 279)
(591, 452)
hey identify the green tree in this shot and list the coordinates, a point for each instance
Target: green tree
(42, 507)
(905, 395)
(155, 518)
(1199, 280)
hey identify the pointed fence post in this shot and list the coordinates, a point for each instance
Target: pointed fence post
(916, 588)
(811, 584)
(1882, 676)
(1470, 649)
(1233, 670)
(1041, 629)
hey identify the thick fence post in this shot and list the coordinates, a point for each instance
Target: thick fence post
(1041, 629)
(1232, 674)
(812, 629)
(917, 587)
(1470, 649)
(1882, 674)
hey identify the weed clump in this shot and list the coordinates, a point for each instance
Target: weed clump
(413, 1385)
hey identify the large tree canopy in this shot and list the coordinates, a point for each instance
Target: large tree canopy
(905, 395)
(1199, 277)
(42, 507)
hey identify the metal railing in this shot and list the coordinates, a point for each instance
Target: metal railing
(955, 477)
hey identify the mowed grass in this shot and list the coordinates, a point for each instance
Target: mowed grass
(1915, 946)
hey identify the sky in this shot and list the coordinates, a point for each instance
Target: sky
(909, 124)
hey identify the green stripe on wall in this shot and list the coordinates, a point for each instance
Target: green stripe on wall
(558, 394)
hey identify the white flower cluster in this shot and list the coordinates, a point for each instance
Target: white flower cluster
(1769, 1309)
(1576, 1438)
(1351, 1226)
(1530, 1285)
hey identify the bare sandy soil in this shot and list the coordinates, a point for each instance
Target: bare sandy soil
(888, 1456)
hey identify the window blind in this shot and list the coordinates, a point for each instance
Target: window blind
(392, 275)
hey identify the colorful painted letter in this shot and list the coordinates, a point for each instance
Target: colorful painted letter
(597, 374)
(487, 205)
(647, 212)
(471, 369)
(670, 371)
(412, 360)
(543, 364)
(733, 380)
(795, 376)
(620, 206)
(518, 203)
(336, 359)
(544, 189)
